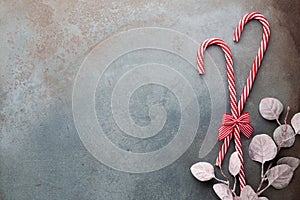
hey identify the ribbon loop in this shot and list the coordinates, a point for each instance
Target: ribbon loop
(229, 123)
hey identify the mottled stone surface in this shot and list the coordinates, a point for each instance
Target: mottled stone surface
(42, 45)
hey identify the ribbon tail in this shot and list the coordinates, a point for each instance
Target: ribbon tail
(224, 131)
(247, 130)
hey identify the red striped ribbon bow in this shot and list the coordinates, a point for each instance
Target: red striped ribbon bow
(229, 122)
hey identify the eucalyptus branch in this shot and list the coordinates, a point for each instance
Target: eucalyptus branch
(263, 177)
(263, 149)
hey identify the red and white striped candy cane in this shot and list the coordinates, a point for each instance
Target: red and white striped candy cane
(250, 80)
(231, 86)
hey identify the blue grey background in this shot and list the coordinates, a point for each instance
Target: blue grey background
(43, 44)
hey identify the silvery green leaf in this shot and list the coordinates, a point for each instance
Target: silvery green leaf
(280, 176)
(290, 161)
(295, 121)
(262, 148)
(284, 134)
(263, 198)
(234, 164)
(223, 191)
(248, 194)
(270, 108)
(203, 171)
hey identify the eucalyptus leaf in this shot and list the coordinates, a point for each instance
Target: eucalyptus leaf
(280, 176)
(290, 161)
(203, 171)
(270, 108)
(284, 135)
(248, 193)
(263, 198)
(295, 121)
(234, 164)
(223, 191)
(262, 148)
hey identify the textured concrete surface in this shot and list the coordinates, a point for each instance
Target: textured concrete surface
(42, 46)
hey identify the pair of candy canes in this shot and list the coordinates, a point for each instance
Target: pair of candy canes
(236, 122)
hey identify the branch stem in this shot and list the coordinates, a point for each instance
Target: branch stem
(234, 185)
(278, 122)
(286, 114)
(224, 175)
(262, 170)
(221, 181)
(259, 193)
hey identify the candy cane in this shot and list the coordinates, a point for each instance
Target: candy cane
(232, 91)
(231, 86)
(250, 80)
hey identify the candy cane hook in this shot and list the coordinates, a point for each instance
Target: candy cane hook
(229, 63)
